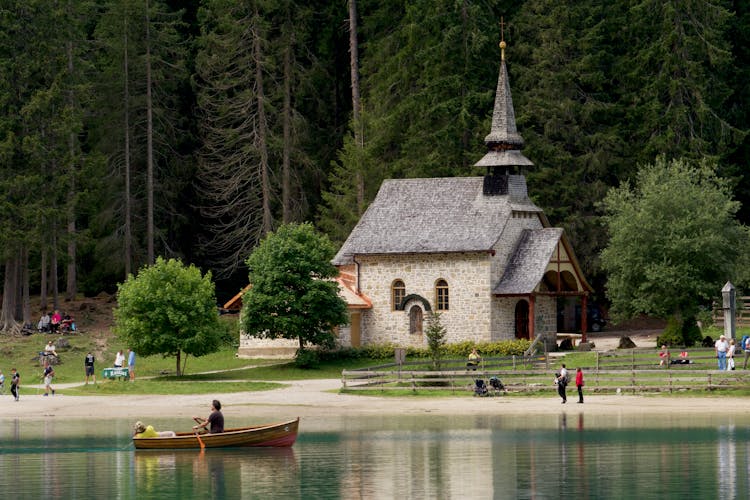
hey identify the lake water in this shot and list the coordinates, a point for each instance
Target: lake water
(552, 456)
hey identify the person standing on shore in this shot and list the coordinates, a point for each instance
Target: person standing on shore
(15, 382)
(579, 384)
(131, 364)
(88, 363)
(746, 347)
(730, 355)
(722, 346)
(562, 382)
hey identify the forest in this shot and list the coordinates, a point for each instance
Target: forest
(132, 129)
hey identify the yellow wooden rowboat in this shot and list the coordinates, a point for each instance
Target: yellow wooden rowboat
(277, 435)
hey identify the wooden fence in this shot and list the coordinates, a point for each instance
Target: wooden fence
(742, 316)
(632, 371)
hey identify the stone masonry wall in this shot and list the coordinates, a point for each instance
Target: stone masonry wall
(504, 316)
(468, 278)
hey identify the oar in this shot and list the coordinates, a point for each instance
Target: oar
(200, 441)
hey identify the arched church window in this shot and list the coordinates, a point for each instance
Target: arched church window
(441, 295)
(398, 292)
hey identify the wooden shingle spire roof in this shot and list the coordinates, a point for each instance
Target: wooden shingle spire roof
(504, 143)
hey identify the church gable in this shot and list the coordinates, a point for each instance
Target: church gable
(542, 262)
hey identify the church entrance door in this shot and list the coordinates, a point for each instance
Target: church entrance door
(415, 320)
(522, 320)
(354, 329)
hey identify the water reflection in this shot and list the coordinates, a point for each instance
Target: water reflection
(214, 473)
(385, 457)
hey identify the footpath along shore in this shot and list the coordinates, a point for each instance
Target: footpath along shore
(319, 398)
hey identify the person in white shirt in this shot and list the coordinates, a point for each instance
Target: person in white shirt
(119, 359)
(722, 346)
(730, 355)
(562, 383)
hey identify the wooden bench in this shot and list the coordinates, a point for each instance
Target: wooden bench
(113, 373)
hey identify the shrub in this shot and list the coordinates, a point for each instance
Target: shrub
(435, 334)
(690, 332)
(307, 358)
(685, 333)
(672, 334)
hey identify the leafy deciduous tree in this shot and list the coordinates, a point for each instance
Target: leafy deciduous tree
(168, 309)
(674, 239)
(293, 295)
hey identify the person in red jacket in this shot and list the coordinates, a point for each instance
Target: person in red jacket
(579, 384)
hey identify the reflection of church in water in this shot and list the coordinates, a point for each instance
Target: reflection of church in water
(475, 249)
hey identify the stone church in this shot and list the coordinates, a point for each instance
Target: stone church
(475, 249)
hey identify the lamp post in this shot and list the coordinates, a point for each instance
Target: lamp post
(729, 296)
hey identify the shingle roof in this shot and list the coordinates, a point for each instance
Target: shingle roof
(503, 142)
(526, 266)
(433, 216)
(503, 130)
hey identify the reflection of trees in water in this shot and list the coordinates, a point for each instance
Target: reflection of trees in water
(214, 473)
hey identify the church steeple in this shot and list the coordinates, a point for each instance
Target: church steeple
(504, 143)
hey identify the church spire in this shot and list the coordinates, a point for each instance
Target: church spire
(504, 143)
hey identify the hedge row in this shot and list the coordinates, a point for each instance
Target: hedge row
(459, 350)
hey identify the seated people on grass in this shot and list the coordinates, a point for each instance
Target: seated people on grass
(44, 323)
(55, 321)
(49, 350)
(67, 324)
(682, 359)
(664, 355)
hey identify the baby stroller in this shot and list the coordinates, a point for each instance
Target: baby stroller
(496, 384)
(480, 388)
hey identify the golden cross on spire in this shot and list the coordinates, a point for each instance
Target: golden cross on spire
(502, 39)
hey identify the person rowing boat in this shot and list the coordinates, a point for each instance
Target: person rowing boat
(215, 419)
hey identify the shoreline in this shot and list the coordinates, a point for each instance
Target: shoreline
(318, 399)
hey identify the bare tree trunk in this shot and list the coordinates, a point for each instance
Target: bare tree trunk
(285, 160)
(356, 102)
(177, 371)
(53, 270)
(149, 146)
(26, 302)
(354, 62)
(7, 322)
(17, 289)
(128, 237)
(262, 131)
(71, 281)
(43, 278)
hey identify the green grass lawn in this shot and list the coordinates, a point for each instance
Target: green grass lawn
(164, 385)
(156, 374)
(23, 353)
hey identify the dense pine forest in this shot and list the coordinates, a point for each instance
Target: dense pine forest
(131, 129)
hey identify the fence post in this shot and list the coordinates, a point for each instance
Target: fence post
(632, 359)
(343, 379)
(709, 381)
